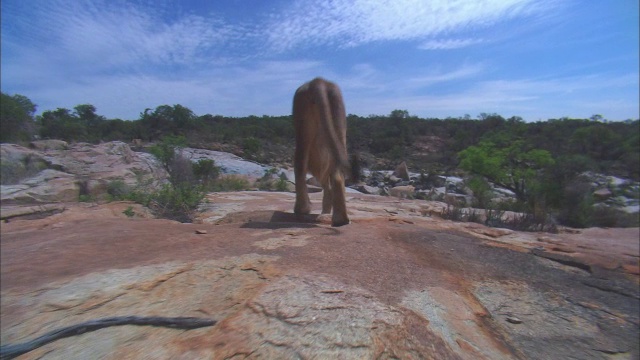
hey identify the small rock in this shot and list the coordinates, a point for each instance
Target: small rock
(514, 320)
(567, 230)
(313, 189)
(602, 194)
(45, 145)
(488, 231)
(456, 199)
(394, 179)
(402, 172)
(313, 181)
(402, 191)
(201, 232)
(366, 189)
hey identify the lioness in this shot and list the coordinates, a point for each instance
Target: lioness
(319, 119)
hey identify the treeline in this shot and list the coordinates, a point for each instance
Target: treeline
(542, 163)
(584, 144)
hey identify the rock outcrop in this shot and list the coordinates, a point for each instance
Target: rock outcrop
(55, 171)
(63, 172)
(395, 283)
(229, 163)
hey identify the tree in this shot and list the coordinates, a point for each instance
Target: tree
(86, 115)
(597, 141)
(62, 124)
(16, 118)
(515, 166)
(166, 150)
(399, 114)
(166, 120)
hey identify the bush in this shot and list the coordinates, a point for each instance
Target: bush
(282, 184)
(496, 218)
(251, 147)
(606, 216)
(175, 202)
(171, 202)
(16, 118)
(165, 150)
(231, 183)
(129, 212)
(118, 189)
(206, 172)
(355, 172)
(493, 217)
(481, 189)
(269, 182)
(577, 206)
(529, 222)
(85, 198)
(12, 173)
(453, 213)
(181, 171)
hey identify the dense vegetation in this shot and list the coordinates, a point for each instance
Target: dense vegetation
(540, 162)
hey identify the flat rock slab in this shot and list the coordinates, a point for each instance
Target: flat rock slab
(397, 282)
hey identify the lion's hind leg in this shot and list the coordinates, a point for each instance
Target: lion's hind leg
(338, 198)
(327, 198)
(303, 204)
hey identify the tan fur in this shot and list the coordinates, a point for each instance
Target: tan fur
(320, 123)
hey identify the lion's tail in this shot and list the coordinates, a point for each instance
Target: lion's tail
(334, 123)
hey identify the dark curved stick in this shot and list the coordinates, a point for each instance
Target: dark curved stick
(12, 350)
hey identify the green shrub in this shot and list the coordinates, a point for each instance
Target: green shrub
(607, 216)
(118, 189)
(482, 193)
(206, 172)
(165, 150)
(493, 217)
(175, 202)
(474, 216)
(577, 206)
(453, 213)
(251, 147)
(12, 172)
(356, 173)
(16, 118)
(172, 202)
(231, 183)
(129, 212)
(496, 218)
(269, 182)
(85, 198)
(529, 222)
(282, 185)
(181, 171)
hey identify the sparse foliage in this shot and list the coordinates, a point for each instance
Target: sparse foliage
(539, 161)
(16, 118)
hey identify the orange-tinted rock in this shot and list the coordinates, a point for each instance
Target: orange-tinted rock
(393, 283)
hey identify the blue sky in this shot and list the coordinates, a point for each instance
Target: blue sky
(534, 59)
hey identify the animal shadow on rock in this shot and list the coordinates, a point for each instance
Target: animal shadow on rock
(283, 220)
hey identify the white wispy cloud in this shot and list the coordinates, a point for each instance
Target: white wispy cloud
(448, 44)
(353, 22)
(125, 56)
(533, 99)
(103, 34)
(265, 88)
(116, 55)
(434, 77)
